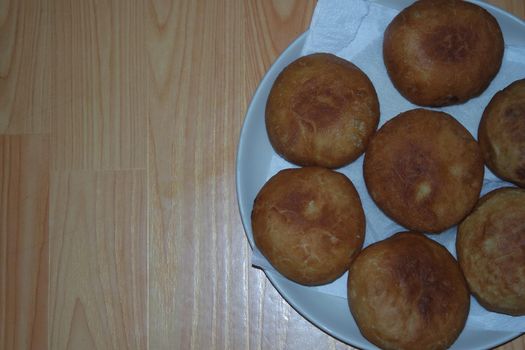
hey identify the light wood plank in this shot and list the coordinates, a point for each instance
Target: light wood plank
(190, 279)
(97, 249)
(26, 80)
(24, 189)
(100, 69)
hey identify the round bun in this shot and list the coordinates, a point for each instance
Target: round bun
(424, 170)
(442, 52)
(501, 133)
(321, 111)
(408, 292)
(309, 223)
(491, 251)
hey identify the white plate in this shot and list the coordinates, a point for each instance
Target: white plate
(330, 313)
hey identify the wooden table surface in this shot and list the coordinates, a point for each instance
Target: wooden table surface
(119, 226)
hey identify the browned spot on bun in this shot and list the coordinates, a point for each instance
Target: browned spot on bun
(515, 112)
(309, 223)
(491, 250)
(319, 103)
(501, 133)
(442, 52)
(407, 292)
(520, 173)
(413, 164)
(422, 282)
(450, 43)
(415, 170)
(322, 110)
(424, 170)
(515, 121)
(295, 202)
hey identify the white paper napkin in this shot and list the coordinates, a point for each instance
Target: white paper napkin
(354, 30)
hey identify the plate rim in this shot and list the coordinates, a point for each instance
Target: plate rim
(274, 278)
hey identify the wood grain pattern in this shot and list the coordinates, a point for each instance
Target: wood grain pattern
(99, 110)
(26, 47)
(119, 225)
(97, 260)
(187, 272)
(24, 188)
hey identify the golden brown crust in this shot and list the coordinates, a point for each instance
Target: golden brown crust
(424, 170)
(407, 292)
(322, 110)
(501, 133)
(491, 251)
(442, 52)
(309, 223)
